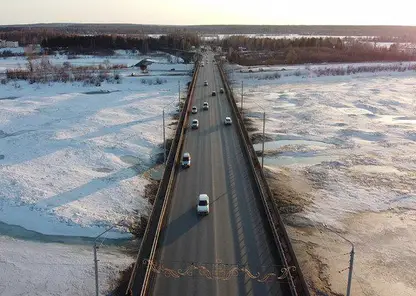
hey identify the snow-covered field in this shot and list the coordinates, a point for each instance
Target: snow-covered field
(38, 268)
(347, 145)
(74, 160)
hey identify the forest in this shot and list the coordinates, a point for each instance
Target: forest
(258, 51)
(34, 33)
(90, 39)
(106, 44)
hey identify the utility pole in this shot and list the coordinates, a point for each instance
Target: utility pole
(95, 254)
(96, 268)
(179, 94)
(350, 270)
(351, 265)
(164, 128)
(242, 97)
(164, 137)
(262, 149)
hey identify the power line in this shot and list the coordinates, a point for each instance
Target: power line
(329, 250)
(359, 283)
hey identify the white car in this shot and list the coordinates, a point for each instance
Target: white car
(228, 121)
(186, 160)
(205, 106)
(195, 124)
(221, 90)
(194, 110)
(202, 207)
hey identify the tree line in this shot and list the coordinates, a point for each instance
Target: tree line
(55, 38)
(272, 44)
(78, 44)
(257, 51)
(404, 33)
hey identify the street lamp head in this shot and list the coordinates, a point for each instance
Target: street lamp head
(120, 223)
(170, 103)
(338, 234)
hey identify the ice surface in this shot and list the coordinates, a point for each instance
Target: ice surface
(73, 162)
(75, 171)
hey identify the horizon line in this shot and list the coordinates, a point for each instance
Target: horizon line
(200, 25)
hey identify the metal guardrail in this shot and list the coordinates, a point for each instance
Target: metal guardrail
(296, 280)
(141, 275)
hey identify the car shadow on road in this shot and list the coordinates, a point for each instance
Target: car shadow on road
(180, 226)
(210, 130)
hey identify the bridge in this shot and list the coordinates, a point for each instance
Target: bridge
(241, 247)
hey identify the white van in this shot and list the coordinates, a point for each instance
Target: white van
(186, 160)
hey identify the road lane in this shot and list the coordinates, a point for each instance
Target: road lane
(234, 232)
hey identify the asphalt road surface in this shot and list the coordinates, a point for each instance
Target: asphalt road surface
(233, 234)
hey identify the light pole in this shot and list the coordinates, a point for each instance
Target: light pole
(351, 265)
(264, 134)
(262, 146)
(164, 133)
(164, 137)
(242, 98)
(95, 254)
(179, 94)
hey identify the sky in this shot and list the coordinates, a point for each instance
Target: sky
(202, 12)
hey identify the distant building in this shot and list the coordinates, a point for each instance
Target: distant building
(410, 50)
(8, 44)
(13, 44)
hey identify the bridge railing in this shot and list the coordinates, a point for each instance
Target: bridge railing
(295, 277)
(140, 279)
